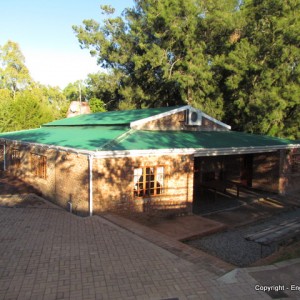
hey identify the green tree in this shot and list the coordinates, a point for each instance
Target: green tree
(55, 98)
(5, 95)
(262, 71)
(14, 74)
(76, 91)
(25, 112)
(233, 59)
(97, 105)
(104, 86)
(161, 51)
(25, 104)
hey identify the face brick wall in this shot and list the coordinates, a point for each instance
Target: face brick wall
(172, 122)
(178, 122)
(66, 175)
(114, 185)
(1, 157)
(72, 181)
(266, 171)
(67, 178)
(290, 171)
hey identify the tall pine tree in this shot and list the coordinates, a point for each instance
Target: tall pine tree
(163, 51)
(262, 72)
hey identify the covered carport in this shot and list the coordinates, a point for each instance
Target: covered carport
(243, 162)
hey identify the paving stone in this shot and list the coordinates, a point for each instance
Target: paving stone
(47, 253)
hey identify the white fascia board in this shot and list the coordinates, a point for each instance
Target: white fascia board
(197, 152)
(192, 151)
(159, 116)
(215, 120)
(174, 111)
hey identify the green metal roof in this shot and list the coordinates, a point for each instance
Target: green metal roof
(120, 117)
(142, 140)
(123, 138)
(111, 131)
(79, 137)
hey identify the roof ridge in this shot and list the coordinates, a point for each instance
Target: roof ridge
(119, 117)
(119, 139)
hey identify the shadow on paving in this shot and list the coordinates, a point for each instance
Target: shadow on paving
(16, 193)
(13, 185)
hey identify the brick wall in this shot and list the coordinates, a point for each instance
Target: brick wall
(114, 185)
(72, 181)
(266, 171)
(172, 122)
(1, 157)
(67, 180)
(289, 171)
(210, 125)
(178, 122)
(66, 175)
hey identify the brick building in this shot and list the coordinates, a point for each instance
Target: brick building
(149, 161)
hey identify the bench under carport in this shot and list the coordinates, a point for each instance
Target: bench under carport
(278, 234)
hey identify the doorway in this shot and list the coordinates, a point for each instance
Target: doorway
(217, 180)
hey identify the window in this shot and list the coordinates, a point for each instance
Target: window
(39, 165)
(15, 158)
(149, 181)
(295, 162)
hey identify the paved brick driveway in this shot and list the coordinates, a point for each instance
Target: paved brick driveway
(47, 253)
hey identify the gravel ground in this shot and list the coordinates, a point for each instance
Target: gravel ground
(231, 246)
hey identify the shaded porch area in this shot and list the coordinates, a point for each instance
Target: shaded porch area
(229, 181)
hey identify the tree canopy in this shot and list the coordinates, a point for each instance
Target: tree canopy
(24, 103)
(236, 60)
(14, 74)
(262, 71)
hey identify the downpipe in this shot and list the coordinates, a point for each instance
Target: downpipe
(91, 158)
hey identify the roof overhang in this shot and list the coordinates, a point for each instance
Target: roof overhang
(196, 152)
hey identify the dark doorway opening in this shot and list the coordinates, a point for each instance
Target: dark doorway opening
(247, 170)
(217, 181)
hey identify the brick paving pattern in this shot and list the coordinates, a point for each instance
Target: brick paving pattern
(47, 253)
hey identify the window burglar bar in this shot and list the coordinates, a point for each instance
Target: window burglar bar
(149, 181)
(39, 165)
(16, 158)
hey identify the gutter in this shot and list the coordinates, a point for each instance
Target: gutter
(193, 151)
(197, 152)
(58, 148)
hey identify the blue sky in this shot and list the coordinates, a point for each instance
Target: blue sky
(43, 30)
